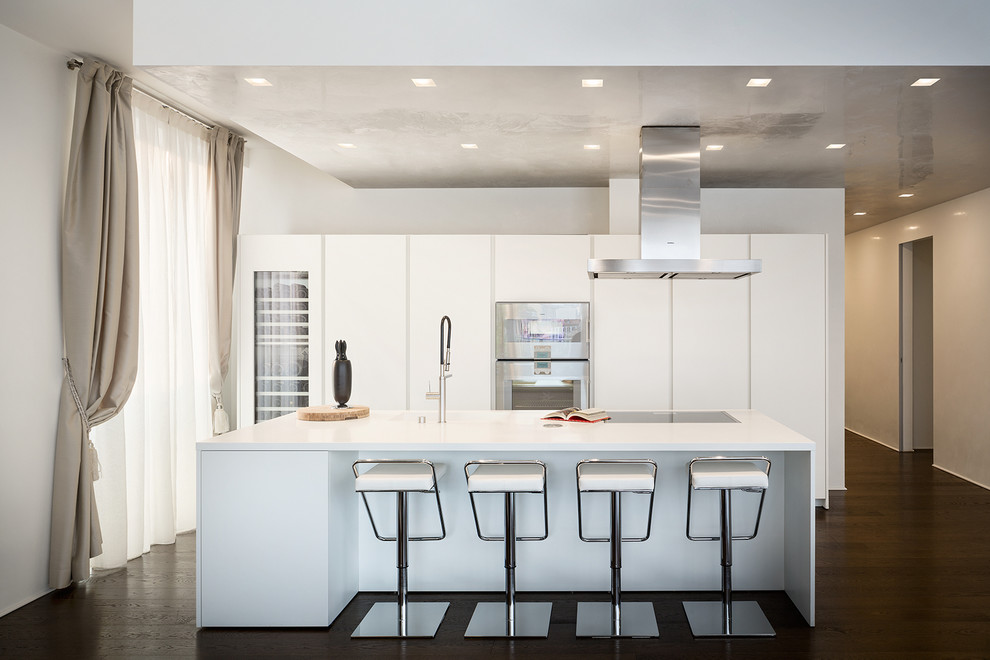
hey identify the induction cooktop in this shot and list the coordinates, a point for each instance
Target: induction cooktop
(671, 417)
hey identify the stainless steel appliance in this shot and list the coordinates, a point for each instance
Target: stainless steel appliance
(542, 353)
(671, 417)
(670, 215)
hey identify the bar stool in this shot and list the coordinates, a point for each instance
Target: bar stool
(616, 476)
(508, 619)
(726, 618)
(400, 476)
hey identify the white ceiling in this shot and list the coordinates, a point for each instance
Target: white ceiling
(530, 123)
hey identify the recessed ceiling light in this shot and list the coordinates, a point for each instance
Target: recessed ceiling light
(925, 82)
(959, 213)
(468, 145)
(758, 82)
(836, 145)
(876, 238)
(592, 82)
(346, 145)
(906, 195)
(592, 147)
(424, 82)
(258, 82)
(913, 227)
(860, 213)
(714, 147)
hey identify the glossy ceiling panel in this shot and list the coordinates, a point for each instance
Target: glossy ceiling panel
(531, 125)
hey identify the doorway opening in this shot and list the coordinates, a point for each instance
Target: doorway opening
(916, 345)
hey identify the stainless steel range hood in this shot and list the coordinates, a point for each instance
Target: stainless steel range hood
(670, 215)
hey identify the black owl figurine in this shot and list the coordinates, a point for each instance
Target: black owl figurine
(341, 375)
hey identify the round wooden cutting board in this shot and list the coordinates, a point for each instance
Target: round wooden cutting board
(332, 413)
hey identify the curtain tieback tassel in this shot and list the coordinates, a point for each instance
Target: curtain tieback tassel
(95, 469)
(221, 423)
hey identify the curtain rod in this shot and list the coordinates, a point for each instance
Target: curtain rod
(173, 108)
(74, 64)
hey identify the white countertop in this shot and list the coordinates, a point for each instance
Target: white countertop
(504, 430)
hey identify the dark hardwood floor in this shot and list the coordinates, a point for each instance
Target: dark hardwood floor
(903, 561)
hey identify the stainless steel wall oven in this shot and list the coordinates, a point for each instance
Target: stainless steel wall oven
(542, 353)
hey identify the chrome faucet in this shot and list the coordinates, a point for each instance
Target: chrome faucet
(445, 332)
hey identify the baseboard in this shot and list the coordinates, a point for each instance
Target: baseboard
(879, 442)
(16, 606)
(934, 465)
(956, 474)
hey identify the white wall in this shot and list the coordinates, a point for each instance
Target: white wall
(35, 120)
(960, 232)
(623, 208)
(284, 195)
(560, 32)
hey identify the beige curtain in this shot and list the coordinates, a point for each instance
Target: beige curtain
(99, 306)
(224, 181)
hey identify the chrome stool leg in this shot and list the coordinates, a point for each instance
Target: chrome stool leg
(616, 562)
(402, 563)
(510, 564)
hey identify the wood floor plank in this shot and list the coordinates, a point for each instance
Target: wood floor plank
(902, 571)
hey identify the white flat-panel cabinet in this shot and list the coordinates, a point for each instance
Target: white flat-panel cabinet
(542, 268)
(262, 547)
(711, 333)
(788, 337)
(280, 339)
(631, 349)
(366, 307)
(757, 342)
(452, 276)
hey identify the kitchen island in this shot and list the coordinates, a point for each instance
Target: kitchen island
(280, 541)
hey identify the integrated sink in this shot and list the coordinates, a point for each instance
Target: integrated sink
(452, 416)
(671, 417)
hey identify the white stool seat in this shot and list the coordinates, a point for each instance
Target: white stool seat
(397, 477)
(619, 477)
(727, 474)
(506, 478)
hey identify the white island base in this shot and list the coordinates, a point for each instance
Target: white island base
(283, 541)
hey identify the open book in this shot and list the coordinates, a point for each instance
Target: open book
(576, 415)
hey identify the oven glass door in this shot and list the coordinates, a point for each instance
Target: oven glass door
(541, 385)
(541, 331)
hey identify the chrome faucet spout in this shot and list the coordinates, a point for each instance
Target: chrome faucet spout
(445, 332)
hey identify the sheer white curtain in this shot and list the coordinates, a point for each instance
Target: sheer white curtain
(147, 492)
